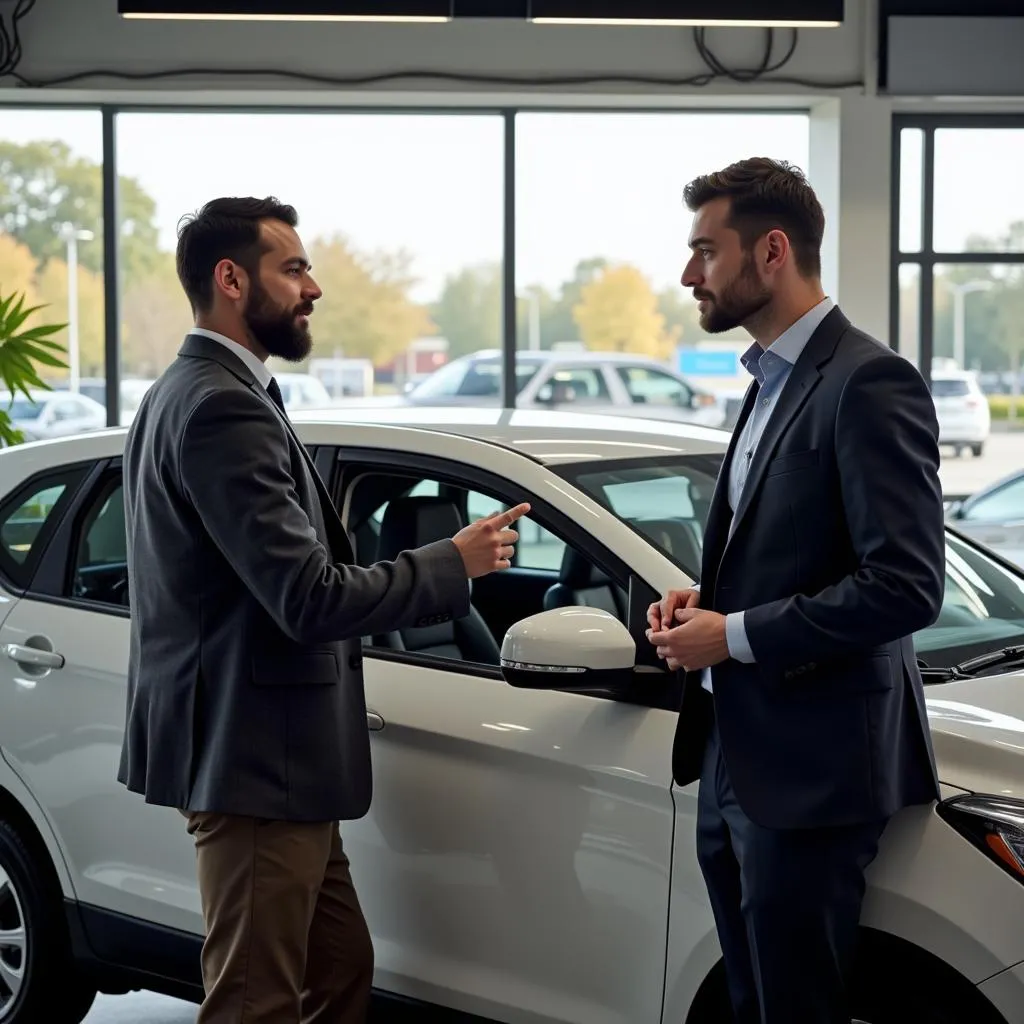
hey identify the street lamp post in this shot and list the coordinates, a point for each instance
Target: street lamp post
(72, 236)
(959, 314)
(533, 298)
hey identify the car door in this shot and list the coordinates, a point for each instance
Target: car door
(515, 861)
(62, 734)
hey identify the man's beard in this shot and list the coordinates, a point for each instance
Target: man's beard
(278, 330)
(737, 302)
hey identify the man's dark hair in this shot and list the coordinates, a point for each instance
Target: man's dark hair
(767, 195)
(224, 229)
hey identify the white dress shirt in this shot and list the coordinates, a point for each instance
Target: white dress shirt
(259, 369)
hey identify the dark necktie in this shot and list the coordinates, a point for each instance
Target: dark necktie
(274, 390)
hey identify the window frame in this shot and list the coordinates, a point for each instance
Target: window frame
(927, 258)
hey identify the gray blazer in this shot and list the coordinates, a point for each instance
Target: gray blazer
(245, 686)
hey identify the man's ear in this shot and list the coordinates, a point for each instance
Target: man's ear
(777, 250)
(230, 280)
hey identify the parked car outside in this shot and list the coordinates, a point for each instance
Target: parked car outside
(527, 857)
(965, 421)
(49, 414)
(606, 382)
(303, 391)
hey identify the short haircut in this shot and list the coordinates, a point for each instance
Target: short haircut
(227, 228)
(767, 195)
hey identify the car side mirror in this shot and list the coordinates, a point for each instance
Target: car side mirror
(574, 649)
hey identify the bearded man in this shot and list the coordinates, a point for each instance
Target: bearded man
(245, 704)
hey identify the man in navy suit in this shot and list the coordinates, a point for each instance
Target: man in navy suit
(803, 712)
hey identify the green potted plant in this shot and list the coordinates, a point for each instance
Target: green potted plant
(21, 349)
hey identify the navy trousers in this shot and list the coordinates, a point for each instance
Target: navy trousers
(786, 903)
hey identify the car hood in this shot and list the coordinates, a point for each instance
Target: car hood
(978, 732)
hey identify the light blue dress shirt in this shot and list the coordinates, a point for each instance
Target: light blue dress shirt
(771, 368)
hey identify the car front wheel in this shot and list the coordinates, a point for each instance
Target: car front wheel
(38, 979)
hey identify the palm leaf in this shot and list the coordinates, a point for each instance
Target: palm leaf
(21, 349)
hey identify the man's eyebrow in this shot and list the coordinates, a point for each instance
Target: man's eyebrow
(696, 243)
(298, 261)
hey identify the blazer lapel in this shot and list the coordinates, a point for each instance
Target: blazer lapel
(199, 346)
(803, 379)
(337, 535)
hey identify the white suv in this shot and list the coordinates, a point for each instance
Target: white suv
(526, 857)
(962, 409)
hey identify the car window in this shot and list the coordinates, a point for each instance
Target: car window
(950, 388)
(1003, 504)
(27, 518)
(653, 387)
(574, 384)
(475, 639)
(101, 550)
(982, 608)
(481, 380)
(22, 527)
(69, 409)
(668, 500)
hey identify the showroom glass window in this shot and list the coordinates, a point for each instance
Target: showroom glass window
(396, 211)
(958, 241)
(51, 246)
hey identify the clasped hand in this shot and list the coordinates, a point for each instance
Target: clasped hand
(685, 635)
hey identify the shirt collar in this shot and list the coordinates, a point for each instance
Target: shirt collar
(789, 345)
(251, 360)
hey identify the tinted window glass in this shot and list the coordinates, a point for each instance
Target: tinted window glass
(26, 520)
(101, 559)
(950, 388)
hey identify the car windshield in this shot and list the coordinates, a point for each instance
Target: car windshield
(22, 409)
(950, 388)
(667, 501)
(471, 378)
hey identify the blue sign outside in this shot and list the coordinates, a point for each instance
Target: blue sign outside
(705, 363)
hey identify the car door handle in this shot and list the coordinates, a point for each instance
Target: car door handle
(374, 722)
(33, 656)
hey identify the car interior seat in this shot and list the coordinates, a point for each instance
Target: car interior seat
(411, 522)
(580, 582)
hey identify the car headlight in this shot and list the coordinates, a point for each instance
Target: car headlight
(993, 824)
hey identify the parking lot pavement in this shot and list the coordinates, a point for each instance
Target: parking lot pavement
(1004, 453)
(137, 1007)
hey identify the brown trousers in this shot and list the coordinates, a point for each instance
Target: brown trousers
(286, 940)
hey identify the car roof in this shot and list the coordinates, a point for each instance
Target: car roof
(568, 356)
(550, 438)
(544, 437)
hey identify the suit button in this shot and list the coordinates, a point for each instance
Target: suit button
(355, 662)
(788, 674)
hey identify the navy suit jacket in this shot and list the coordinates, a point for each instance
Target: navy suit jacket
(837, 557)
